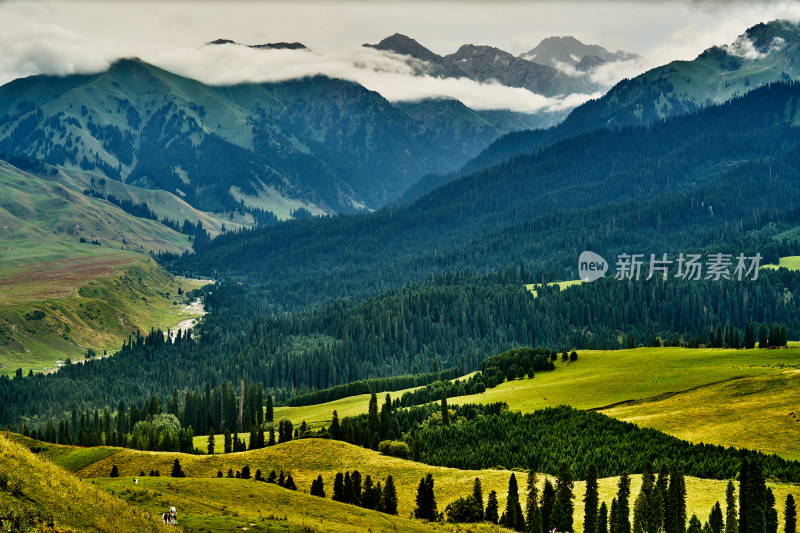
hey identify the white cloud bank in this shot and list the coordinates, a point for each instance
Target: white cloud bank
(63, 38)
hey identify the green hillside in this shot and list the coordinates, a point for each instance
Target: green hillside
(46, 498)
(743, 398)
(60, 296)
(204, 498)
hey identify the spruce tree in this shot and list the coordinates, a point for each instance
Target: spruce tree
(338, 487)
(731, 524)
(335, 430)
(271, 441)
(790, 515)
(210, 446)
(694, 525)
(318, 487)
(512, 517)
(602, 519)
(762, 343)
(655, 511)
(227, 447)
(563, 508)
(744, 493)
(372, 417)
(477, 495)
(715, 520)
(491, 508)
(426, 501)
(367, 499)
(623, 507)
(445, 411)
(613, 519)
(349, 494)
(533, 515)
(640, 515)
(355, 479)
(270, 416)
(770, 513)
(389, 497)
(548, 500)
(590, 501)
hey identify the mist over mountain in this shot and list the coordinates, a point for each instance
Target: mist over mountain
(570, 51)
(317, 144)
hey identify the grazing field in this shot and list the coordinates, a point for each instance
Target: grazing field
(696, 387)
(37, 488)
(234, 505)
(57, 301)
(561, 285)
(205, 498)
(791, 262)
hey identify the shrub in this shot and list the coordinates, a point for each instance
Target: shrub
(114, 471)
(394, 448)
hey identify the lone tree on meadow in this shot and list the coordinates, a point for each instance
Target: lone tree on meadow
(177, 471)
(114, 471)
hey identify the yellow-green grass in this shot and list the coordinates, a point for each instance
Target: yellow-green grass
(791, 262)
(36, 485)
(644, 377)
(235, 505)
(308, 458)
(761, 412)
(57, 302)
(560, 284)
(602, 379)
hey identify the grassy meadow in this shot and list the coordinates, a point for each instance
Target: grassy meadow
(741, 398)
(36, 486)
(208, 503)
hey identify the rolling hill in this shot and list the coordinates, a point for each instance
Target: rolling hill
(74, 276)
(204, 497)
(38, 495)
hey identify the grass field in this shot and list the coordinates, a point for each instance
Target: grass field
(791, 262)
(37, 486)
(561, 285)
(730, 397)
(205, 499)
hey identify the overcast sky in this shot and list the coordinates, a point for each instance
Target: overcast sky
(65, 36)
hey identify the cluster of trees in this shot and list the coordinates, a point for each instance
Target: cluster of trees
(368, 386)
(349, 488)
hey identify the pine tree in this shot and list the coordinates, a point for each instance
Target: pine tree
(512, 516)
(613, 519)
(731, 525)
(790, 515)
(762, 343)
(640, 508)
(491, 508)
(548, 500)
(271, 441)
(289, 483)
(623, 512)
(227, 443)
(355, 479)
(335, 429)
(715, 520)
(389, 497)
(367, 496)
(386, 420)
(426, 501)
(338, 488)
(477, 495)
(374, 421)
(349, 493)
(318, 487)
(602, 519)
(770, 513)
(675, 504)
(533, 515)
(445, 411)
(655, 511)
(210, 446)
(270, 416)
(694, 525)
(177, 471)
(563, 508)
(590, 501)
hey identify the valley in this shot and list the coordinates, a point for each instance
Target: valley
(236, 276)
